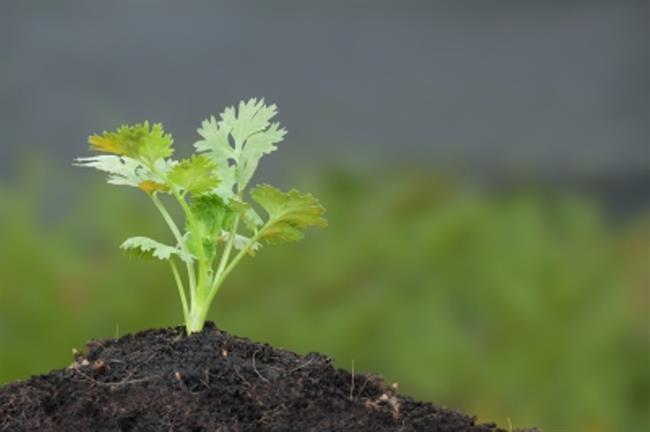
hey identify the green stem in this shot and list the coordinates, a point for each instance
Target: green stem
(198, 291)
(221, 276)
(181, 289)
(226, 252)
(179, 238)
(170, 222)
(196, 318)
(198, 245)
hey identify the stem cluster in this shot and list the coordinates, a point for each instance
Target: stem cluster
(202, 279)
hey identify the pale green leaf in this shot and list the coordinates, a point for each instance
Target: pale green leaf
(257, 145)
(125, 171)
(289, 213)
(144, 247)
(121, 170)
(238, 141)
(215, 145)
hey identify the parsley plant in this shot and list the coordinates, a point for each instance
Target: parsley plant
(220, 226)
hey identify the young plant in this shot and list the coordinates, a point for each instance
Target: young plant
(210, 188)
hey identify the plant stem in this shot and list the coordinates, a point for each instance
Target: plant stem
(198, 310)
(198, 245)
(170, 222)
(179, 238)
(226, 252)
(222, 275)
(181, 289)
(196, 318)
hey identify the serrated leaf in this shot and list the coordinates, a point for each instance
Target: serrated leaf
(253, 135)
(121, 170)
(125, 171)
(256, 146)
(108, 142)
(196, 175)
(289, 213)
(215, 145)
(142, 141)
(144, 247)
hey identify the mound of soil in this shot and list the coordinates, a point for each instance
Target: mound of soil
(163, 380)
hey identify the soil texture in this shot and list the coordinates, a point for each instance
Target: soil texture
(163, 380)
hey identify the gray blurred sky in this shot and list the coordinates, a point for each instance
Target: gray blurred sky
(550, 88)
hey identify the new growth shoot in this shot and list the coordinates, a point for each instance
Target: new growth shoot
(220, 226)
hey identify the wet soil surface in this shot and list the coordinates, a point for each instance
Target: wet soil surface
(162, 380)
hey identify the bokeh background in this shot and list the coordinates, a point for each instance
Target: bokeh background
(485, 166)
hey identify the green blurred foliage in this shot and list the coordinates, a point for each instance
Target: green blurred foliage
(510, 304)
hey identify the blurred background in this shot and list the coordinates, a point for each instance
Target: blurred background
(485, 167)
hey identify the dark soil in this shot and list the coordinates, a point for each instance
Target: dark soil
(162, 380)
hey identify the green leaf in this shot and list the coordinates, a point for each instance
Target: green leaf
(147, 143)
(212, 213)
(196, 175)
(289, 213)
(238, 141)
(212, 217)
(125, 171)
(144, 247)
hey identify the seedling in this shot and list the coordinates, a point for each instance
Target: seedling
(210, 188)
